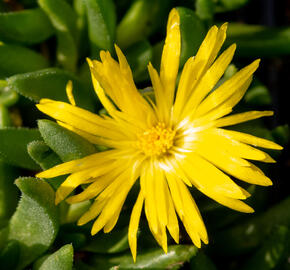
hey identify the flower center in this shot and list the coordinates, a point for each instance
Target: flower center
(156, 140)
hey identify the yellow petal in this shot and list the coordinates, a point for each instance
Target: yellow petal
(172, 225)
(231, 203)
(188, 79)
(150, 203)
(95, 209)
(206, 176)
(236, 83)
(250, 174)
(114, 203)
(93, 189)
(192, 215)
(241, 117)
(69, 93)
(216, 139)
(134, 223)
(211, 106)
(95, 126)
(170, 57)
(209, 80)
(160, 196)
(98, 159)
(162, 108)
(253, 140)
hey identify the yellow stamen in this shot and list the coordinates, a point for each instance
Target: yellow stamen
(156, 140)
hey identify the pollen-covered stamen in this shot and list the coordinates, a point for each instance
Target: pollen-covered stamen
(156, 140)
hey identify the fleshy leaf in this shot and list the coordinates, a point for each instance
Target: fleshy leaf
(78, 240)
(65, 143)
(75, 211)
(258, 95)
(63, 18)
(150, 259)
(272, 252)
(42, 154)
(15, 59)
(28, 26)
(228, 5)
(141, 20)
(5, 120)
(259, 41)
(201, 262)
(101, 23)
(9, 255)
(8, 97)
(62, 259)
(205, 9)
(192, 32)
(245, 237)
(46, 158)
(8, 191)
(113, 242)
(13, 146)
(35, 223)
(50, 83)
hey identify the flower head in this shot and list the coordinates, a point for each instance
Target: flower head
(168, 144)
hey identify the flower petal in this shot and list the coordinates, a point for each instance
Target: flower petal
(170, 57)
(241, 117)
(134, 223)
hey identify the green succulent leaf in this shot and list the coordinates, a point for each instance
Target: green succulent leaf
(113, 242)
(63, 142)
(141, 20)
(5, 120)
(245, 237)
(205, 9)
(82, 27)
(40, 152)
(101, 24)
(201, 262)
(50, 83)
(75, 211)
(62, 259)
(8, 97)
(13, 146)
(9, 256)
(63, 18)
(281, 134)
(35, 223)
(192, 32)
(150, 259)
(228, 5)
(272, 252)
(259, 41)
(28, 26)
(8, 191)
(78, 240)
(258, 95)
(16, 59)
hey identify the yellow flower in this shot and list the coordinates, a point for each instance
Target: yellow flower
(170, 144)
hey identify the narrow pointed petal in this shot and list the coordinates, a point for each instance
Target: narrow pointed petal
(69, 93)
(241, 117)
(231, 98)
(253, 140)
(231, 86)
(134, 223)
(209, 80)
(93, 160)
(170, 57)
